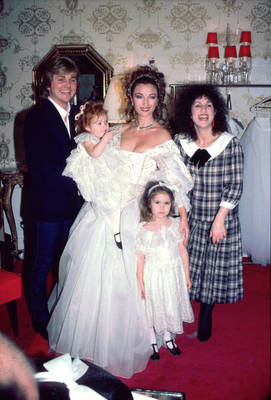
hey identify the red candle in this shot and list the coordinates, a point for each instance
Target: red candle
(230, 52)
(211, 38)
(213, 52)
(244, 51)
(245, 37)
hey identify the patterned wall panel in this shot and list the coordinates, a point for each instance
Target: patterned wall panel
(171, 32)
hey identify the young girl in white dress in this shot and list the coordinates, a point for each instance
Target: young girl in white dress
(162, 268)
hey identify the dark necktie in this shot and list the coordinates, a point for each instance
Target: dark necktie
(200, 157)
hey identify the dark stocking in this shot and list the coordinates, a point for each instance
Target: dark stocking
(205, 322)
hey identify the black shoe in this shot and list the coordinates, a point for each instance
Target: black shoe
(40, 327)
(175, 349)
(117, 240)
(203, 337)
(155, 355)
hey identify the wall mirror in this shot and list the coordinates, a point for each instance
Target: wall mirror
(95, 72)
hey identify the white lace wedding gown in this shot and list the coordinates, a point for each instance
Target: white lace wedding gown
(97, 311)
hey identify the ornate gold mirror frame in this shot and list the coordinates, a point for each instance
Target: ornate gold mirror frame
(95, 72)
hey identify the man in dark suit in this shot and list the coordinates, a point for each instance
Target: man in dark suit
(54, 200)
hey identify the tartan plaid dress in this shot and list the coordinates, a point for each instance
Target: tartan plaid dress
(216, 270)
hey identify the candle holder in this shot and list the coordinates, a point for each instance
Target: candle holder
(244, 64)
(212, 71)
(230, 71)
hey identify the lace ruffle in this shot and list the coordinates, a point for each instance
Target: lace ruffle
(100, 180)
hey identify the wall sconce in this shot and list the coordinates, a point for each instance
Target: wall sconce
(212, 71)
(244, 63)
(229, 72)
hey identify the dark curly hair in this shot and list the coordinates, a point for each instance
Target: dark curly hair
(87, 111)
(183, 107)
(149, 193)
(146, 75)
(58, 65)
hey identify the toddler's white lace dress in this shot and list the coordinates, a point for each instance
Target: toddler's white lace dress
(97, 311)
(167, 302)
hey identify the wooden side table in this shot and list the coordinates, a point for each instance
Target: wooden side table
(9, 179)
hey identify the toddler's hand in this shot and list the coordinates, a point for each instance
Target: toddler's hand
(189, 284)
(109, 134)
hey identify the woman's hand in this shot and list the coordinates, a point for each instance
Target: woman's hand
(218, 231)
(184, 227)
(189, 283)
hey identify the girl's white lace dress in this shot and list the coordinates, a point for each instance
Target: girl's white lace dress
(167, 300)
(97, 311)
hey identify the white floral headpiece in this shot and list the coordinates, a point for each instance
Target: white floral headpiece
(81, 112)
(162, 184)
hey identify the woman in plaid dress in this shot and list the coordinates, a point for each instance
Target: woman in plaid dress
(214, 158)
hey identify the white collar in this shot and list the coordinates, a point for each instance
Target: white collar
(214, 149)
(60, 109)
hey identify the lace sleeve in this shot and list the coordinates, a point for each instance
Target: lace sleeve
(140, 242)
(85, 137)
(79, 168)
(174, 173)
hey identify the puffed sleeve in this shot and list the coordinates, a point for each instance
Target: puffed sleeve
(175, 231)
(140, 243)
(233, 175)
(84, 137)
(100, 180)
(80, 169)
(175, 174)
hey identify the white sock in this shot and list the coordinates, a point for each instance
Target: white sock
(167, 337)
(152, 336)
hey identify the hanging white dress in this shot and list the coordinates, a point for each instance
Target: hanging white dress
(98, 313)
(254, 207)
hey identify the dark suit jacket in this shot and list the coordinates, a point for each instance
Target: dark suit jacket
(53, 197)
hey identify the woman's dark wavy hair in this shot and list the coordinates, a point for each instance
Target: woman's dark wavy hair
(58, 65)
(145, 201)
(146, 75)
(183, 107)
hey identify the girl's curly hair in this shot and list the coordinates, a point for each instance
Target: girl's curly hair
(183, 107)
(88, 111)
(149, 193)
(146, 75)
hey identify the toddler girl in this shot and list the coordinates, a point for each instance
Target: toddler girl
(101, 170)
(162, 268)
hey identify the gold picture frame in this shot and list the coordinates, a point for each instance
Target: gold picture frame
(95, 71)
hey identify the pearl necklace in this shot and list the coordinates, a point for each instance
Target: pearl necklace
(140, 128)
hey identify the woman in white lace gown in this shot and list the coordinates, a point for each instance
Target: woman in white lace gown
(97, 312)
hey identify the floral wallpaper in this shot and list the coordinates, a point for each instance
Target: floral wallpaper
(171, 33)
